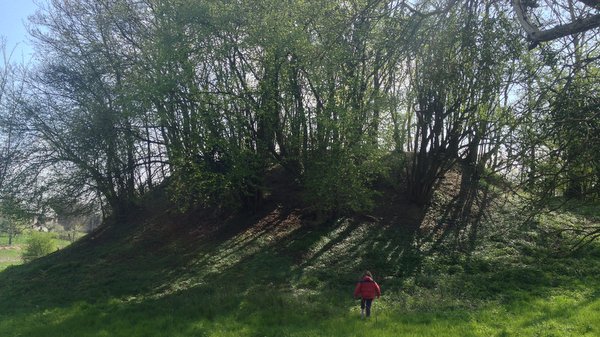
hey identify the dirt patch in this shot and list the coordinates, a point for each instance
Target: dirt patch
(10, 247)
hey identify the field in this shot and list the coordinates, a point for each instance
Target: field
(10, 255)
(282, 276)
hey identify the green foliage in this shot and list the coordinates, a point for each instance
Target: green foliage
(342, 181)
(559, 128)
(13, 218)
(394, 169)
(13, 255)
(228, 182)
(191, 186)
(208, 94)
(460, 71)
(38, 245)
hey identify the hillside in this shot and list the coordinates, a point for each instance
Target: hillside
(258, 157)
(282, 272)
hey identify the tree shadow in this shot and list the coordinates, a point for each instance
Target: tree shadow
(248, 267)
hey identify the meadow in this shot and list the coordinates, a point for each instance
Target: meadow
(10, 255)
(281, 276)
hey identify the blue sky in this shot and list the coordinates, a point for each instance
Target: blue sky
(13, 17)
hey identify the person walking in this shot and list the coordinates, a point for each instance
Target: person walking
(367, 289)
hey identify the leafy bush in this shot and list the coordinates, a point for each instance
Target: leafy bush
(38, 245)
(227, 182)
(341, 181)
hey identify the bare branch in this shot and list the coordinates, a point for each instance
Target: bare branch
(520, 11)
(559, 31)
(591, 3)
(536, 36)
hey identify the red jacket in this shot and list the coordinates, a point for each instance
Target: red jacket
(367, 289)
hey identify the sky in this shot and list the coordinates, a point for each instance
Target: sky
(13, 17)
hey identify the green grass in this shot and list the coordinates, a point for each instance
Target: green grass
(18, 239)
(280, 278)
(11, 255)
(278, 315)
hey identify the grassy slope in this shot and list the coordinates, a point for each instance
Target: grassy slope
(279, 274)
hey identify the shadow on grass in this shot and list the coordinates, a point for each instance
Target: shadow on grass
(274, 274)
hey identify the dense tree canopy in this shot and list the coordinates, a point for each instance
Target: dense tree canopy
(206, 97)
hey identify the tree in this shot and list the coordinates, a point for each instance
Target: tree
(460, 72)
(572, 18)
(8, 134)
(78, 105)
(13, 149)
(560, 136)
(206, 97)
(13, 218)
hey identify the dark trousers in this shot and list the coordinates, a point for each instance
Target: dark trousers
(366, 303)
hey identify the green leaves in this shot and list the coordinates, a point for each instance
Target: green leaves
(207, 95)
(342, 181)
(38, 245)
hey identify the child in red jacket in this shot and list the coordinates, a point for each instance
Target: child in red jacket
(367, 290)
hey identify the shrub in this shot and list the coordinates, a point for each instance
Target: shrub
(229, 182)
(38, 245)
(341, 181)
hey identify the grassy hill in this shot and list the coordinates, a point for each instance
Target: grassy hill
(282, 272)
